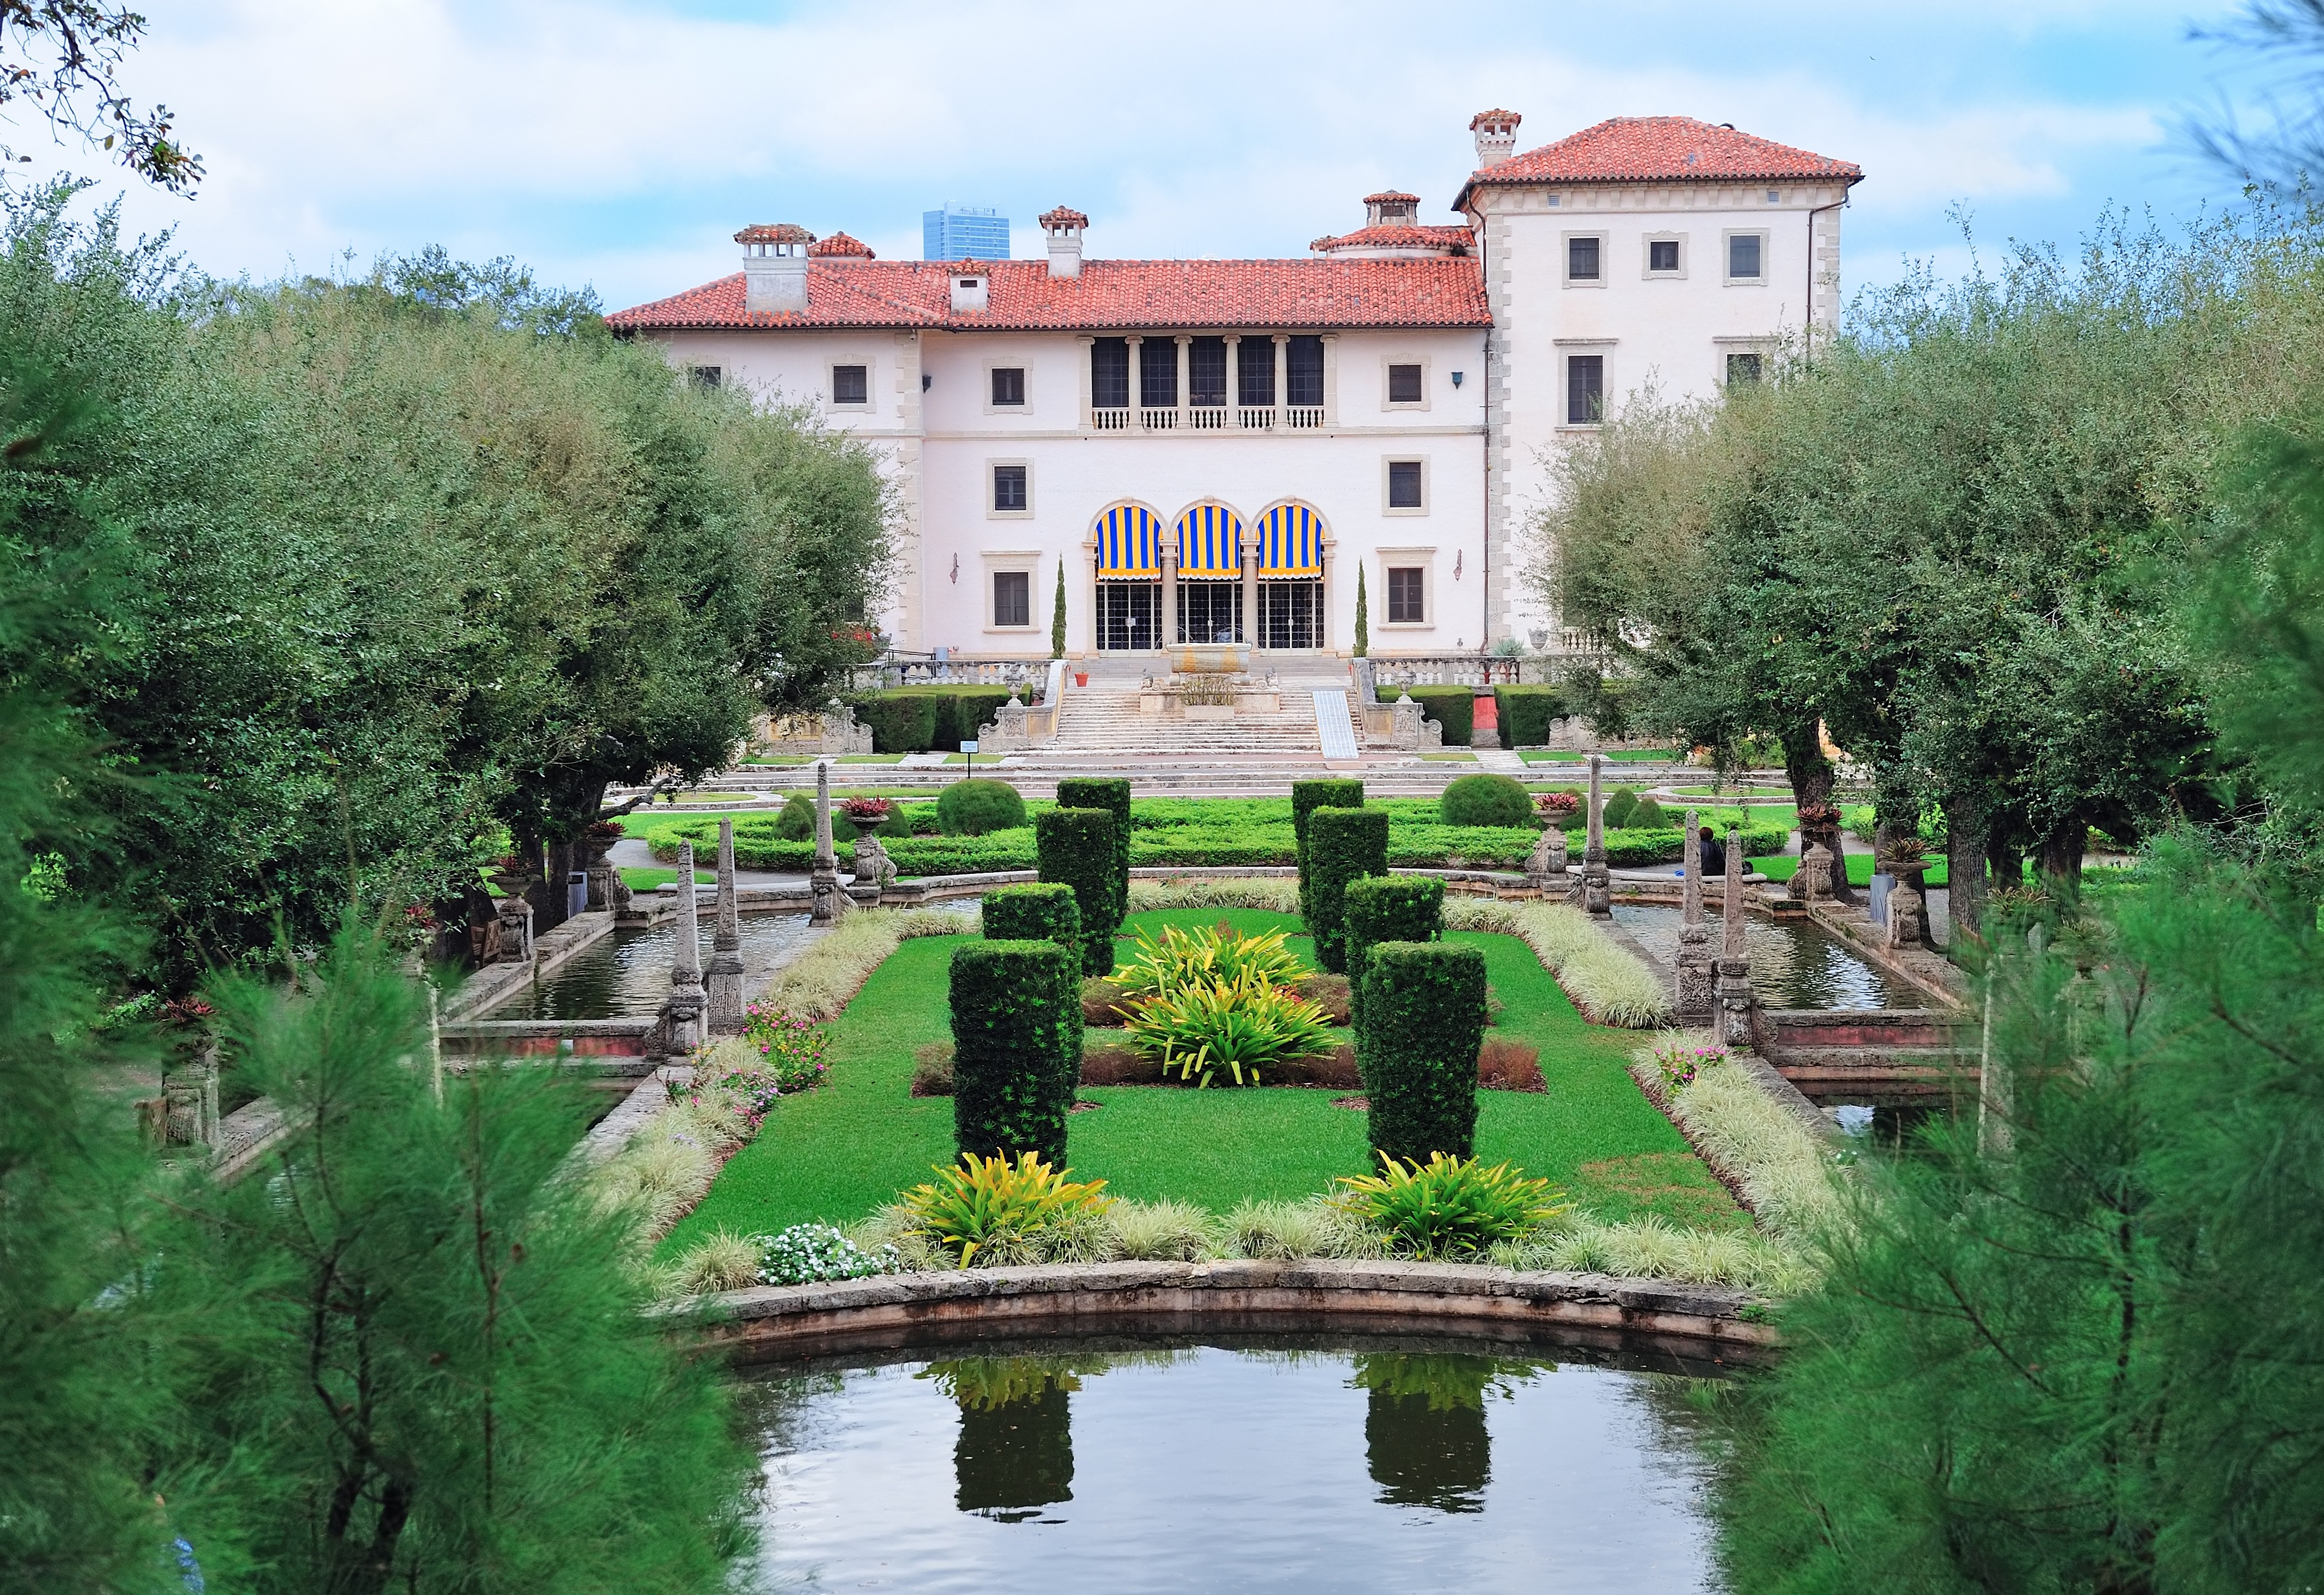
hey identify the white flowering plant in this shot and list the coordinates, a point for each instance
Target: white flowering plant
(805, 1253)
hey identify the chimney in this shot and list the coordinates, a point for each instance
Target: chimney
(774, 267)
(1392, 208)
(972, 285)
(1497, 136)
(1064, 228)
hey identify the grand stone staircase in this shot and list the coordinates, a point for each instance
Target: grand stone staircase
(1103, 723)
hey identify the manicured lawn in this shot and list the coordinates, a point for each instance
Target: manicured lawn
(647, 880)
(1860, 870)
(1618, 756)
(840, 1151)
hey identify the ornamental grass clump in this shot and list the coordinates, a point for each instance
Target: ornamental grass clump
(1449, 1206)
(981, 1202)
(1608, 983)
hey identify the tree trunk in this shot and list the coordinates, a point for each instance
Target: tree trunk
(1811, 776)
(2004, 859)
(2061, 855)
(1965, 827)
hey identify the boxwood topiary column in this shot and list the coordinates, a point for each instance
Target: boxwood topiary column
(1042, 911)
(1111, 793)
(1016, 1036)
(1423, 1020)
(1075, 849)
(1387, 908)
(1344, 844)
(1306, 797)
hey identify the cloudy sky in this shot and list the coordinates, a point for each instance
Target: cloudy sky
(621, 145)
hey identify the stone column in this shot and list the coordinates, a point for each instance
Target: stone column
(1596, 883)
(725, 983)
(1169, 638)
(684, 1010)
(822, 878)
(1137, 342)
(1250, 589)
(1233, 341)
(1694, 960)
(1183, 340)
(1734, 964)
(1282, 373)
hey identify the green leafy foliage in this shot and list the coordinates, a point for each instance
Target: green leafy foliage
(1306, 797)
(1076, 847)
(928, 719)
(987, 1202)
(1179, 959)
(978, 806)
(1112, 794)
(1039, 912)
(1363, 643)
(1449, 1207)
(1527, 712)
(1420, 1022)
(1343, 845)
(1486, 800)
(1057, 617)
(1388, 908)
(1454, 708)
(1017, 1047)
(1620, 804)
(795, 824)
(1239, 1028)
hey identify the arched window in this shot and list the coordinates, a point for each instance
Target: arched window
(1129, 597)
(1290, 538)
(1209, 573)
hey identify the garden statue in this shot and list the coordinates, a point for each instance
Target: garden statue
(1734, 963)
(190, 1102)
(725, 983)
(682, 1012)
(1597, 885)
(822, 878)
(1545, 870)
(1694, 960)
(516, 928)
(873, 868)
(1811, 883)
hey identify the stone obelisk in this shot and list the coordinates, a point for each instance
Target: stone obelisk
(1734, 964)
(687, 997)
(1694, 962)
(726, 982)
(822, 879)
(1597, 886)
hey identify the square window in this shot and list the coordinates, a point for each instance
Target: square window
(1404, 596)
(1009, 487)
(1582, 260)
(1742, 368)
(1012, 598)
(1585, 390)
(1009, 385)
(1661, 255)
(1743, 251)
(1404, 485)
(1404, 384)
(851, 384)
(705, 376)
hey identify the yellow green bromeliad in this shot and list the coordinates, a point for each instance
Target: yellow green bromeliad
(1214, 1026)
(981, 1201)
(1449, 1206)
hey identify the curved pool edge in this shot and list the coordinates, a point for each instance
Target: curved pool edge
(774, 1323)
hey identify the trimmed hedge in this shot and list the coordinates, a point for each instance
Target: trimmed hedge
(1526, 713)
(1075, 849)
(974, 806)
(1111, 793)
(1390, 908)
(1452, 707)
(1419, 1026)
(1044, 911)
(1343, 845)
(1486, 800)
(928, 719)
(1017, 1047)
(1306, 797)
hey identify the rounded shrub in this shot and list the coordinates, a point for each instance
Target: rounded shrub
(1017, 1047)
(797, 822)
(1075, 848)
(1648, 815)
(1486, 800)
(974, 807)
(1421, 1022)
(1343, 845)
(1619, 807)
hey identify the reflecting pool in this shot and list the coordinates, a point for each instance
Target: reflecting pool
(627, 973)
(1794, 965)
(1249, 1464)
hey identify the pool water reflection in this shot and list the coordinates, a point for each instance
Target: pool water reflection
(627, 973)
(1794, 965)
(1260, 1464)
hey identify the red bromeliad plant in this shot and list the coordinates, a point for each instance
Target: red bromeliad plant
(1551, 804)
(866, 808)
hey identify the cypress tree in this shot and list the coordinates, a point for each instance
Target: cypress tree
(1363, 618)
(1057, 617)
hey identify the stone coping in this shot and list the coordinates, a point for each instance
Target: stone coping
(780, 1322)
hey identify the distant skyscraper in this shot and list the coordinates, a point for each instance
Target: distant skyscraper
(963, 233)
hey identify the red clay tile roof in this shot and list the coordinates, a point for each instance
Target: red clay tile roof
(1661, 149)
(1396, 237)
(840, 245)
(1128, 296)
(1064, 216)
(1390, 197)
(774, 233)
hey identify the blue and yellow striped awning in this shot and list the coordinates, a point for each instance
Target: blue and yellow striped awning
(1209, 542)
(1290, 541)
(1128, 542)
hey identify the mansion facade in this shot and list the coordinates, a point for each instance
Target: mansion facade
(1211, 450)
